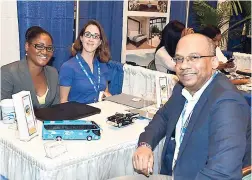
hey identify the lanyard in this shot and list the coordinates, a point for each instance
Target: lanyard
(96, 88)
(184, 125)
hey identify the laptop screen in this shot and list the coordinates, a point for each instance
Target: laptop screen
(129, 100)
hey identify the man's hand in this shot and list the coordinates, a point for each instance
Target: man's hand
(143, 160)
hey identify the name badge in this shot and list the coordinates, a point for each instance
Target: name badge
(55, 149)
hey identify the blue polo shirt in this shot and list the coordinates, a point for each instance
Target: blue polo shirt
(82, 90)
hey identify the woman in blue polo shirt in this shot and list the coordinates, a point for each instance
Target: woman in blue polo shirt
(85, 76)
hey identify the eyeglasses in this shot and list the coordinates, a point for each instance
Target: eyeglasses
(89, 35)
(191, 58)
(41, 47)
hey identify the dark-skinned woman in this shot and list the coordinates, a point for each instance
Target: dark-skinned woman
(32, 72)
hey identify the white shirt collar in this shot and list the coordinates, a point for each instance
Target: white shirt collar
(197, 95)
(191, 102)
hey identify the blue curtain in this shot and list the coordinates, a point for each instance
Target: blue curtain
(110, 15)
(234, 42)
(178, 11)
(57, 17)
(116, 77)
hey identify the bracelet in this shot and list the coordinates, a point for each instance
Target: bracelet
(144, 144)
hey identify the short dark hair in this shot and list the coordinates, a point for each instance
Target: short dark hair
(170, 36)
(102, 52)
(211, 46)
(210, 31)
(33, 32)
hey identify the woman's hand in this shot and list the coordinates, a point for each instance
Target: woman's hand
(222, 65)
(225, 65)
(187, 31)
(230, 64)
(106, 94)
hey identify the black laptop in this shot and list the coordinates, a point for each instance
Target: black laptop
(66, 111)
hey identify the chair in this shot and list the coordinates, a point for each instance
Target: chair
(152, 65)
(116, 74)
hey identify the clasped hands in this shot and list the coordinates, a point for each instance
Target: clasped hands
(226, 65)
(230, 64)
(143, 160)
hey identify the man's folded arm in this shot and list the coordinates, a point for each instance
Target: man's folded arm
(157, 127)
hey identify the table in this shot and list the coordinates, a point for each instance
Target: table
(109, 157)
(243, 83)
(138, 81)
(242, 60)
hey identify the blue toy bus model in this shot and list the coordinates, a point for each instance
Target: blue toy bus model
(74, 129)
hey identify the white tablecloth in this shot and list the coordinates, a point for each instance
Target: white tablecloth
(242, 60)
(109, 157)
(140, 81)
(142, 177)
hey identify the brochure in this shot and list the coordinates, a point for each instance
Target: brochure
(26, 119)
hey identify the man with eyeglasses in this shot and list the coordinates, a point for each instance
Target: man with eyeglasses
(210, 119)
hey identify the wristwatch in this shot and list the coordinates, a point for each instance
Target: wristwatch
(144, 144)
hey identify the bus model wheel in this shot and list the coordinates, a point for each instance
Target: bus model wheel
(89, 138)
(120, 125)
(58, 138)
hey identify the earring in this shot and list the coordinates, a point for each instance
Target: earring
(25, 53)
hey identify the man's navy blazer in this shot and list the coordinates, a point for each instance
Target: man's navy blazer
(217, 136)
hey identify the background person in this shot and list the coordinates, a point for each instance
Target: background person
(84, 76)
(171, 34)
(32, 73)
(214, 33)
(211, 120)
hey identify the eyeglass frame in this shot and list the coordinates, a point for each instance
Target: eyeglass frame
(92, 35)
(44, 47)
(189, 58)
